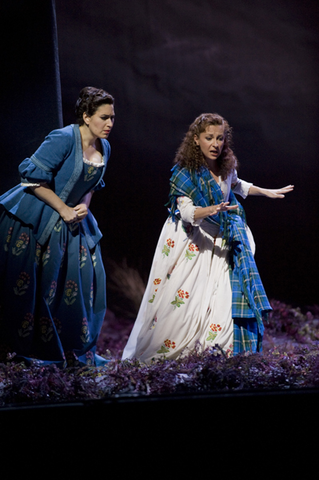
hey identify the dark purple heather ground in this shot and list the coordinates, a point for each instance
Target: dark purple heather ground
(290, 360)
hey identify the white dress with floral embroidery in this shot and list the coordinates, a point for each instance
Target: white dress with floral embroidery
(188, 298)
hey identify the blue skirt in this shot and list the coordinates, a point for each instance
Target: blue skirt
(52, 297)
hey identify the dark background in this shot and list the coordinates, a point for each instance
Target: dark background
(253, 62)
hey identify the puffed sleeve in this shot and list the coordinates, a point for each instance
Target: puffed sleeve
(239, 186)
(44, 163)
(187, 210)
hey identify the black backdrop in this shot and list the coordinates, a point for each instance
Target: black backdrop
(254, 62)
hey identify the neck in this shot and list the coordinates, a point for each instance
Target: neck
(88, 140)
(213, 167)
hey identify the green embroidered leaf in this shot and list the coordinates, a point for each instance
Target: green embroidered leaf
(211, 336)
(152, 299)
(189, 255)
(177, 302)
(163, 349)
(166, 250)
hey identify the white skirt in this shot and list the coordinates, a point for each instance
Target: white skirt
(188, 298)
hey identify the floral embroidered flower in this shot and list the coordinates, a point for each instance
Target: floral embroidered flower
(183, 294)
(71, 291)
(83, 256)
(85, 337)
(214, 329)
(21, 244)
(46, 255)
(22, 284)
(91, 172)
(157, 281)
(26, 325)
(153, 324)
(167, 345)
(229, 351)
(37, 253)
(46, 329)
(89, 358)
(193, 248)
(52, 291)
(58, 225)
(190, 252)
(93, 259)
(167, 246)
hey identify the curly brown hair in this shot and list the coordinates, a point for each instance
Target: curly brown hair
(189, 155)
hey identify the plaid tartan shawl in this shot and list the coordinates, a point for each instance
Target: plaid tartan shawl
(249, 299)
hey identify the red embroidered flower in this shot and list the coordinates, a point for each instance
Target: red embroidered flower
(182, 294)
(169, 344)
(157, 281)
(215, 328)
(193, 248)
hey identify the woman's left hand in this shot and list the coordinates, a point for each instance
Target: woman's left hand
(270, 192)
(280, 192)
(81, 211)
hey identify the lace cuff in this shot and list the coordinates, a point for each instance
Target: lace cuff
(187, 211)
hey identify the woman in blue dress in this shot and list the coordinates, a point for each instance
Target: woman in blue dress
(52, 290)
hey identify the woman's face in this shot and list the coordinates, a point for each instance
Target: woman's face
(100, 124)
(211, 141)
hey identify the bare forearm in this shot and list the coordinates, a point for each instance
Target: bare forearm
(204, 212)
(47, 195)
(269, 192)
(212, 210)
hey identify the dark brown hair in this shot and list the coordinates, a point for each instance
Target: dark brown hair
(90, 99)
(189, 155)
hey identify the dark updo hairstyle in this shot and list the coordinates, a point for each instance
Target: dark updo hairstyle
(90, 99)
(189, 155)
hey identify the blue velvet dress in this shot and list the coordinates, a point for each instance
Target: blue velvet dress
(52, 296)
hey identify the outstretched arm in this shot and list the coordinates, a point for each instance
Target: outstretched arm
(271, 193)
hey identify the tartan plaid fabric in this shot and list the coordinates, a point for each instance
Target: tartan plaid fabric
(246, 336)
(249, 299)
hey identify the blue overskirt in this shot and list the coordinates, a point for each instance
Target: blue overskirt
(52, 296)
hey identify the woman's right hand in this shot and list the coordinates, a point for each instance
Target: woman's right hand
(68, 214)
(212, 210)
(223, 207)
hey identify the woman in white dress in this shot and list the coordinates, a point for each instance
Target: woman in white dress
(204, 288)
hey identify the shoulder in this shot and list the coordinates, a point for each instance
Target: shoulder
(106, 147)
(62, 133)
(61, 136)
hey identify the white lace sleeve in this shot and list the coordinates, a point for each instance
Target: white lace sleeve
(187, 210)
(240, 186)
